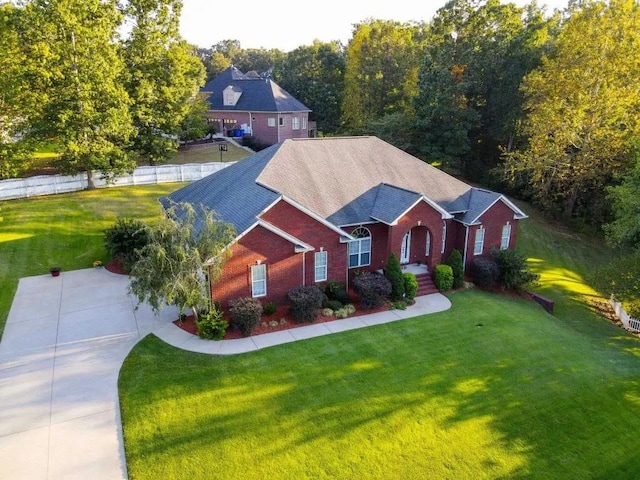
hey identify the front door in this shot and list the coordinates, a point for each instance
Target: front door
(405, 250)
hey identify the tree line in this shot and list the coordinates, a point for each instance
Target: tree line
(543, 106)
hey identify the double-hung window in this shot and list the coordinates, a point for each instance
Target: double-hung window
(259, 280)
(506, 236)
(321, 266)
(428, 249)
(360, 249)
(479, 243)
(444, 237)
(295, 123)
(271, 121)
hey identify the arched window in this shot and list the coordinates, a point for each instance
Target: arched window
(360, 249)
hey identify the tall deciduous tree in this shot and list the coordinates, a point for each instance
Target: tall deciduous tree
(624, 229)
(381, 73)
(314, 74)
(18, 102)
(583, 107)
(469, 104)
(80, 72)
(183, 247)
(164, 75)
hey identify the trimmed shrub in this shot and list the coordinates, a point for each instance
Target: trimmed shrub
(245, 314)
(514, 271)
(125, 238)
(443, 277)
(373, 289)
(393, 272)
(269, 308)
(304, 303)
(335, 290)
(342, 313)
(456, 263)
(333, 305)
(211, 325)
(399, 305)
(410, 286)
(327, 312)
(485, 272)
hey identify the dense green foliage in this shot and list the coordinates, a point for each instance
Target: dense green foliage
(455, 261)
(211, 325)
(245, 314)
(304, 303)
(393, 272)
(410, 286)
(443, 277)
(621, 278)
(374, 289)
(125, 239)
(514, 271)
(171, 268)
(485, 272)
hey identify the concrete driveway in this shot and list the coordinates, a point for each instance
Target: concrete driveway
(63, 346)
(64, 343)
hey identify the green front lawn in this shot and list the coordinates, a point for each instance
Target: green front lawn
(493, 388)
(64, 230)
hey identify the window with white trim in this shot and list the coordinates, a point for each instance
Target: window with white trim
(304, 123)
(478, 246)
(360, 249)
(444, 237)
(321, 266)
(258, 280)
(281, 121)
(506, 236)
(428, 249)
(295, 123)
(271, 121)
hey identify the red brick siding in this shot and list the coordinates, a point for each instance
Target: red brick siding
(492, 221)
(288, 218)
(284, 267)
(430, 219)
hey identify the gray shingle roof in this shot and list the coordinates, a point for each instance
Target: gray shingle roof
(258, 94)
(346, 181)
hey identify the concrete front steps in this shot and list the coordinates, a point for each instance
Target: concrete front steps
(425, 285)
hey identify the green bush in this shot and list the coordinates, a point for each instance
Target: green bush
(245, 314)
(410, 286)
(304, 303)
(485, 272)
(373, 289)
(269, 308)
(342, 313)
(399, 305)
(211, 325)
(443, 277)
(393, 272)
(327, 312)
(335, 290)
(125, 239)
(456, 263)
(350, 309)
(514, 271)
(333, 305)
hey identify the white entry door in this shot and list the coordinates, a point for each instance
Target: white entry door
(405, 251)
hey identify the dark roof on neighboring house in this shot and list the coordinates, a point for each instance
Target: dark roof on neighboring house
(258, 94)
(344, 180)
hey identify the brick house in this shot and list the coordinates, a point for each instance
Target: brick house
(254, 106)
(308, 211)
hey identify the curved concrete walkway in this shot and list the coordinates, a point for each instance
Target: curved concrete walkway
(60, 356)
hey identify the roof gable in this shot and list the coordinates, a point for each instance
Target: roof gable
(481, 200)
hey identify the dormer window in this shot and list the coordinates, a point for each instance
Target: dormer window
(230, 96)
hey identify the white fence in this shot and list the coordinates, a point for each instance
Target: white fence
(629, 323)
(52, 184)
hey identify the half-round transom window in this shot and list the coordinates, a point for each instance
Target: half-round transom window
(360, 249)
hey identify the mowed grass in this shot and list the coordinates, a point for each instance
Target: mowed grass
(493, 388)
(64, 230)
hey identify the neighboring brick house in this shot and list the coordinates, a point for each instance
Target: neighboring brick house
(312, 210)
(255, 106)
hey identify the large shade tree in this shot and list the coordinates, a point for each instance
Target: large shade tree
(163, 77)
(583, 108)
(314, 74)
(79, 71)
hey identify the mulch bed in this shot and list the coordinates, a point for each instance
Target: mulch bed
(276, 322)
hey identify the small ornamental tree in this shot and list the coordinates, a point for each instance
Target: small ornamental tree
(443, 277)
(304, 303)
(455, 262)
(372, 288)
(171, 267)
(125, 239)
(245, 314)
(485, 272)
(393, 272)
